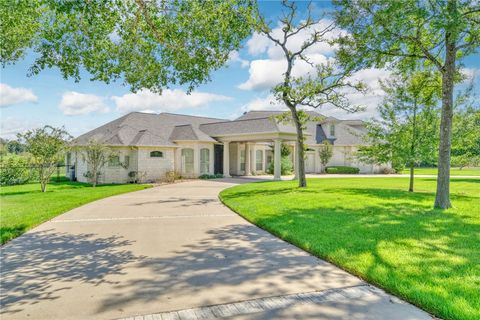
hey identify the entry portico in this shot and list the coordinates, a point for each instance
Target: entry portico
(251, 160)
(252, 140)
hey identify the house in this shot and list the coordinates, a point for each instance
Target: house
(152, 144)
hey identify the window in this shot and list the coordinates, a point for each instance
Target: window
(187, 160)
(126, 163)
(332, 130)
(69, 158)
(204, 160)
(259, 158)
(242, 160)
(114, 161)
(156, 154)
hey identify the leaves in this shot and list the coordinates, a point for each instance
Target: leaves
(407, 130)
(46, 147)
(145, 44)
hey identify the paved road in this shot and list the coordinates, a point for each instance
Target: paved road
(175, 248)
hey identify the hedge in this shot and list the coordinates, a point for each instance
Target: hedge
(207, 176)
(342, 169)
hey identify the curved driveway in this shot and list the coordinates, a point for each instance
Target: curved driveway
(174, 247)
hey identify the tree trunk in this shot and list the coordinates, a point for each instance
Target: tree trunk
(302, 181)
(413, 145)
(442, 197)
(412, 171)
(41, 176)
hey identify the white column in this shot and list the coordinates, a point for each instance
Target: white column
(277, 160)
(196, 159)
(253, 162)
(248, 169)
(226, 159)
(212, 158)
(177, 160)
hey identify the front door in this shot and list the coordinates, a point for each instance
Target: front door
(218, 159)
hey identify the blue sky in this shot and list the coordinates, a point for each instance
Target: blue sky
(243, 84)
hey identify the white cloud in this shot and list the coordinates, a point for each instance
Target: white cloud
(10, 126)
(470, 73)
(370, 100)
(234, 57)
(267, 72)
(75, 103)
(10, 95)
(266, 103)
(169, 100)
(259, 44)
(264, 74)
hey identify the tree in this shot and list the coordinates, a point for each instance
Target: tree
(14, 146)
(96, 155)
(286, 166)
(466, 137)
(46, 147)
(326, 153)
(404, 33)
(147, 44)
(324, 86)
(408, 124)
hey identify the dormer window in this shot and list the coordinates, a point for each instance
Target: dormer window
(332, 130)
(156, 154)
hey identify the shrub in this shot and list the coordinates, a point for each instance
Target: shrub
(387, 170)
(331, 170)
(207, 176)
(14, 169)
(286, 165)
(342, 169)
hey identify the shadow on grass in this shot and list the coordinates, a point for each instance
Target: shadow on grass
(391, 237)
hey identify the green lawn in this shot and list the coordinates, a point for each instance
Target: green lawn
(24, 206)
(375, 229)
(453, 171)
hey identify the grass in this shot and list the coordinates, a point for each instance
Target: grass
(473, 171)
(25, 206)
(374, 228)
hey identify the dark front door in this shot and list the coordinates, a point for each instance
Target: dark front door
(218, 164)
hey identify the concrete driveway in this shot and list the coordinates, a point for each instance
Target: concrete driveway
(175, 248)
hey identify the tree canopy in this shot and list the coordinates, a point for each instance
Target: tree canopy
(46, 148)
(146, 44)
(407, 33)
(407, 129)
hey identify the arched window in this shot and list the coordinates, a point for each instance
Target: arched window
(204, 160)
(187, 160)
(156, 154)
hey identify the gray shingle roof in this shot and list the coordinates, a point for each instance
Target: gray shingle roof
(348, 130)
(245, 126)
(144, 129)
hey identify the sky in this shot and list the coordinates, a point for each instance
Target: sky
(244, 84)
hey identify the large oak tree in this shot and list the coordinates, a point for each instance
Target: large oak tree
(146, 44)
(403, 33)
